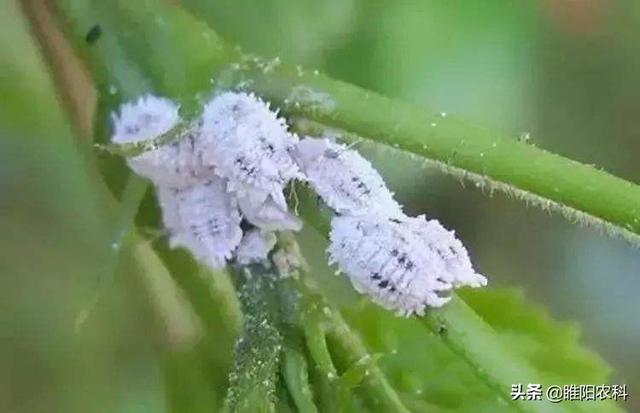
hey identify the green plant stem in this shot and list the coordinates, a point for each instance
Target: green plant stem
(352, 378)
(252, 383)
(315, 338)
(131, 199)
(376, 387)
(470, 338)
(324, 371)
(453, 143)
(296, 376)
(122, 232)
(182, 326)
(379, 390)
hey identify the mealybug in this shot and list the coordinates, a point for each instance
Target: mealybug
(343, 178)
(176, 165)
(388, 263)
(459, 270)
(204, 219)
(249, 145)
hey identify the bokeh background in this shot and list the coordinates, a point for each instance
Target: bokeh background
(564, 74)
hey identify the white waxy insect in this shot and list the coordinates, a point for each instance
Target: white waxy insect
(177, 164)
(168, 201)
(150, 116)
(268, 215)
(388, 263)
(460, 271)
(255, 246)
(249, 145)
(343, 178)
(204, 219)
(236, 163)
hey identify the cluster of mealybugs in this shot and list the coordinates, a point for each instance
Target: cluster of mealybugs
(233, 165)
(403, 263)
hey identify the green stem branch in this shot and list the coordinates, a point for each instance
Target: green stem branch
(580, 192)
(201, 58)
(252, 383)
(376, 387)
(296, 375)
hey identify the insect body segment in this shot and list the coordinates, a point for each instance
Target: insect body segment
(177, 164)
(387, 262)
(249, 145)
(168, 200)
(209, 222)
(146, 118)
(343, 178)
(172, 165)
(443, 242)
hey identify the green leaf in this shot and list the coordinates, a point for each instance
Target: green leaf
(527, 347)
(306, 31)
(552, 347)
(146, 46)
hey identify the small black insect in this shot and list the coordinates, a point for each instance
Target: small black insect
(93, 34)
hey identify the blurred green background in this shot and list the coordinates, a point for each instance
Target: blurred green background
(563, 73)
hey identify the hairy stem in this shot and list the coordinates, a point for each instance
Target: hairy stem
(252, 383)
(542, 178)
(202, 58)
